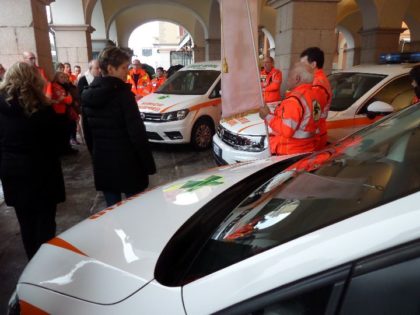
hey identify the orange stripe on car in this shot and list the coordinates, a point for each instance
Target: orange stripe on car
(240, 130)
(56, 241)
(335, 124)
(29, 309)
(195, 107)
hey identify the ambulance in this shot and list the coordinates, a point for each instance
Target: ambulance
(361, 95)
(186, 108)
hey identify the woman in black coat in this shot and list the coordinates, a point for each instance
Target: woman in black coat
(30, 168)
(114, 132)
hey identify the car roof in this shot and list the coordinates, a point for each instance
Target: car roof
(384, 69)
(204, 65)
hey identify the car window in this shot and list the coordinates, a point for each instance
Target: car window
(364, 171)
(398, 93)
(216, 91)
(348, 87)
(390, 290)
(192, 82)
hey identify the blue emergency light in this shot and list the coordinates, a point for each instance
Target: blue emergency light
(399, 57)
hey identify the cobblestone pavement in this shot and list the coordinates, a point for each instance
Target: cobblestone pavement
(172, 162)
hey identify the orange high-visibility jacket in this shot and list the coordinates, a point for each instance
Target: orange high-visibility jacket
(155, 83)
(142, 85)
(323, 94)
(415, 99)
(61, 97)
(295, 122)
(270, 85)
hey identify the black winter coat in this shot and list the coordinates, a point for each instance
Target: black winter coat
(30, 168)
(116, 137)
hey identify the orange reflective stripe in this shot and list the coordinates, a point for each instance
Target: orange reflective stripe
(196, 107)
(344, 123)
(56, 241)
(29, 309)
(240, 130)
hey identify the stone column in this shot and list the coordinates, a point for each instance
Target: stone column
(24, 27)
(379, 40)
(302, 24)
(73, 44)
(213, 48)
(199, 53)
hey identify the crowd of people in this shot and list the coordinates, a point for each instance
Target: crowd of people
(39, 121)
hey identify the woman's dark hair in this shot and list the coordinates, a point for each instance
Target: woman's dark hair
(113, 56)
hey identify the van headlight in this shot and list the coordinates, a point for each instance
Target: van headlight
(176, 115)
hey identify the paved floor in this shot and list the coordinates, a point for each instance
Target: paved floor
(172, 162)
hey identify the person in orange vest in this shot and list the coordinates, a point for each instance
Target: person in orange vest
(295, 121)
(270, 81)
(139, 80)
(158, 80)
(415, 76)
(314, 57)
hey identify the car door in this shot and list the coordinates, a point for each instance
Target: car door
(387, 283)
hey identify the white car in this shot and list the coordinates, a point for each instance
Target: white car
(353, 91)
(335, 232)
(186, 108)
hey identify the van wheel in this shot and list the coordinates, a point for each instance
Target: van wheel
(202, 134)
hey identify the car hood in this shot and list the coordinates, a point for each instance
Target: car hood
(113, 254)
(250, 124)
(162, 103)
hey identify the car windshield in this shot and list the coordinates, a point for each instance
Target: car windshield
(189, 82)
(361, 172)
(348, 87)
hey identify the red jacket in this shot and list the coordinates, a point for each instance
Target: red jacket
(270, 85)
(61, 97)
(142, 86)
(323, 94)
(295, 122)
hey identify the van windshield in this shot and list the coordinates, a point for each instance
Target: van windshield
(189, 82)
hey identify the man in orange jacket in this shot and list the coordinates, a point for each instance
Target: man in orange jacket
(139, 80)
(314, 57)
(158, 80)
(270, 81)
(295, 120)
(30, 58)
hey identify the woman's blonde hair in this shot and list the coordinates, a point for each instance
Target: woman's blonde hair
(24, 83)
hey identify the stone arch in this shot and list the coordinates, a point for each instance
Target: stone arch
(213, 40)
(271, 41)
(369, 13)
(348, 54)
(89, 7)
(170, 5)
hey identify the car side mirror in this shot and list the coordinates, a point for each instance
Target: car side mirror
(379, 108)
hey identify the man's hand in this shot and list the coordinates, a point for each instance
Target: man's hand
(264, 111)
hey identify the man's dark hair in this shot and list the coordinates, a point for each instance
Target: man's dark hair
(415, 74)
(314, 54)
(113, 56)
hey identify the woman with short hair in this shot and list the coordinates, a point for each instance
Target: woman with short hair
(30, 168)
(114, 132)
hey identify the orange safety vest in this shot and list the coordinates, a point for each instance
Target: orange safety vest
(270, 84)
(415, 99)
(58, 92)
(142, 86)
(295, 122)
(323, 94)
(155, 83)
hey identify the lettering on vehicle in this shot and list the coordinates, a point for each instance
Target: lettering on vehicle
(162, 97)
(204, 67)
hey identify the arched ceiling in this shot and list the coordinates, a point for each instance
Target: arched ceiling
(128, 20)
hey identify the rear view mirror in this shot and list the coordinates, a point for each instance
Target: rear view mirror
(379, 108)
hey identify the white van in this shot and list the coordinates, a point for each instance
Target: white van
(186, 108)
